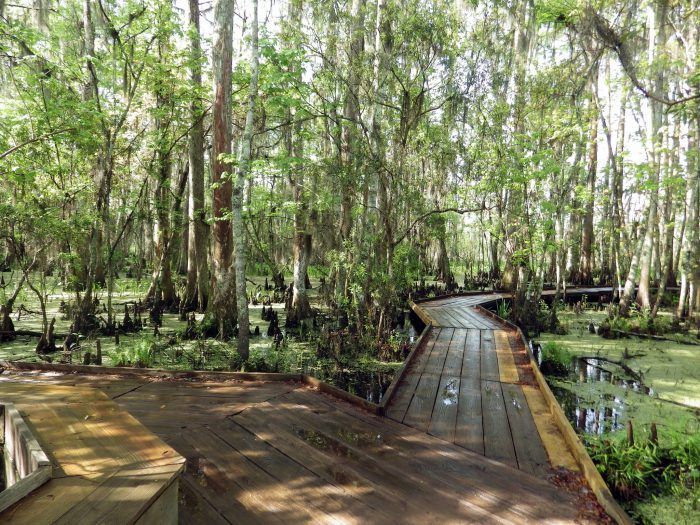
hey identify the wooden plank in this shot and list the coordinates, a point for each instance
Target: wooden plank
(325, 460)
(454, 472)
(450, 318)
(120, 498)
(163, 511)
(484, 322)
(557, 449)
(470, 320)
(151, 372)
(402, 399)
(498, 441)
(421, 408)
(469, 429)
(507, 371)
(421, 312)
(194, 508)
(307, 486)
(443, 420)
(49, 501)
(84, 432)
(253, 487)
(438, 317)
(529, 449)
(489, 359)
(333, 390)
(433, 501)
(462, 320)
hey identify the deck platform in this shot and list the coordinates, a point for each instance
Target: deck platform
(107, 467)
(280, 452)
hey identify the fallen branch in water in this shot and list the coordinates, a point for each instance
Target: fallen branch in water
(637, 376)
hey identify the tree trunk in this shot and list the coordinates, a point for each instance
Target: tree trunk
(628, 290)
(666, 264)
(197, 248)
(7, 327)
(302, 241)
(223, 291)
(692, 254)
(586, 274)
(351, 111)
(656, 24)
(243, 170)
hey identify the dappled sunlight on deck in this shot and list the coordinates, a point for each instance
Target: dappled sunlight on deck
(279, 452)
(107, 466)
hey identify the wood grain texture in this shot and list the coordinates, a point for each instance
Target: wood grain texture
(107, 466)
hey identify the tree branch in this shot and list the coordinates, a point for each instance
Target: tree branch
(36, 139)
(438, 211)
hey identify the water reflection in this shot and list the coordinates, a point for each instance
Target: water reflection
(450, 392)
(600, 396)
(366, 384)
(605, 414)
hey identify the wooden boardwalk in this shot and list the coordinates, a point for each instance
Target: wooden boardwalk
(471, 384)
(279, 452)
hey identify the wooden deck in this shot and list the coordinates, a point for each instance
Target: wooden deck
(278, 452)
(471, 384)
(107, 467)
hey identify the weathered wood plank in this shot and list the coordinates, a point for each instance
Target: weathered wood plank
(507, 371)
(554, 444)
(444, 417)
(325, 461)
(529, 449)
(107, 466)
(308, 487)
(434, 501)
(402, 399)
(469, 429)
(420, 410)
(420, 456)
(498, 441)
(253, 487)
(489, 359)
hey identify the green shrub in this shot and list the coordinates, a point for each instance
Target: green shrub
(555, 359)
(141, 355)
(647, 469)
(503, 310)
(628, 469)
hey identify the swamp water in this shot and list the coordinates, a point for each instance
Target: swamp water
(599, 397)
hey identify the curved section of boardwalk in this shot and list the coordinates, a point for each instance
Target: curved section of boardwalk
(278, 452)
(471, 384)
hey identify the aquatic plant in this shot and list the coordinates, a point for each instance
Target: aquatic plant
(629, 470)
(503, 310)
(141, 355)
(555, 359)
(646, 469)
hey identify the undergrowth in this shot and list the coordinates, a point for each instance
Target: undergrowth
(646, 470)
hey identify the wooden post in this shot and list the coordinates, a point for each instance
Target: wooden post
(98, 353)
(654, 434)
(630, 433)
